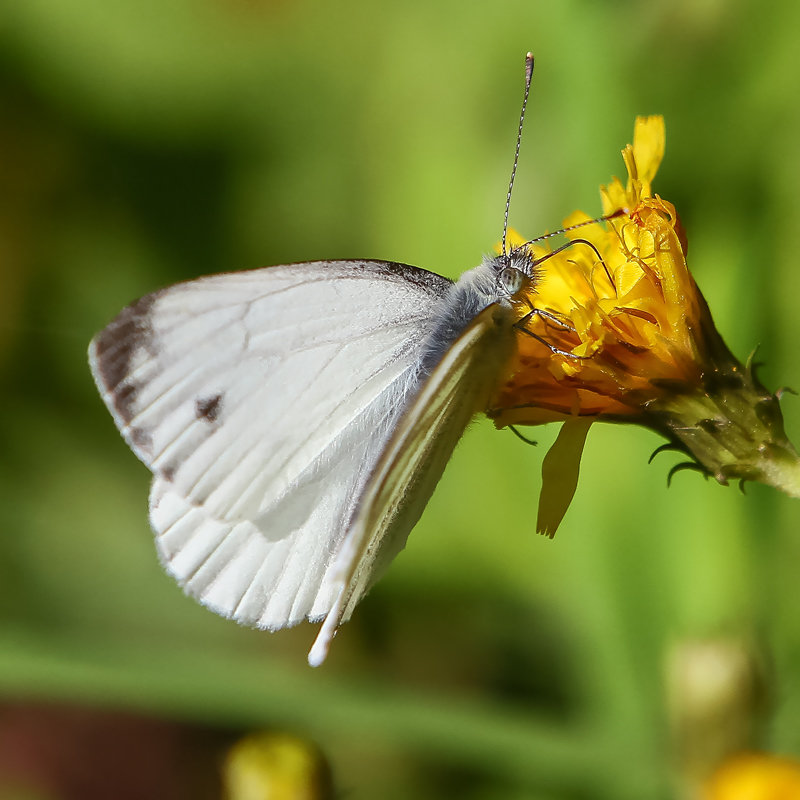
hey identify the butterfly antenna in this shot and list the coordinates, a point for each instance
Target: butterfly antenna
(528, 76)
(620, 212)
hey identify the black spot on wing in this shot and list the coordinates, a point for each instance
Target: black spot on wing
(113, 349)
(123, 398)
(141, 438)
(208, 408)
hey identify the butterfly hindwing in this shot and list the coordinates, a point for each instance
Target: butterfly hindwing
(414, 459)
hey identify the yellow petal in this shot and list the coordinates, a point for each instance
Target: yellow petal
(614, 196)
(627, 276)
(649, 141)
(560, 470)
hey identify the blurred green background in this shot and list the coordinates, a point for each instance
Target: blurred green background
(143, 143)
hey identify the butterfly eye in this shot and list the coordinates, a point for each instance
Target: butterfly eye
(511, 280)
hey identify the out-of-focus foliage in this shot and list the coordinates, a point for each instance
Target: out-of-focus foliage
(143, 143)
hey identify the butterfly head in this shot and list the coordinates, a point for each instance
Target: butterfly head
(516, 272)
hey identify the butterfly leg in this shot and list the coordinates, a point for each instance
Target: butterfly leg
(556, 320)
(520, 325)
(522, 436)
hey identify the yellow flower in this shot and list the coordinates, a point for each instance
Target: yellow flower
(629, 317)
(625, 335)
(275, 766)
(755, 776)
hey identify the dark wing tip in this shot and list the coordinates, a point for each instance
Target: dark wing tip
(111, 354)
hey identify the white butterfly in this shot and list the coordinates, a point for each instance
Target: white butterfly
(297, 419)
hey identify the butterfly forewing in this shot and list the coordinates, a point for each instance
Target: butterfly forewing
(261, 401)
